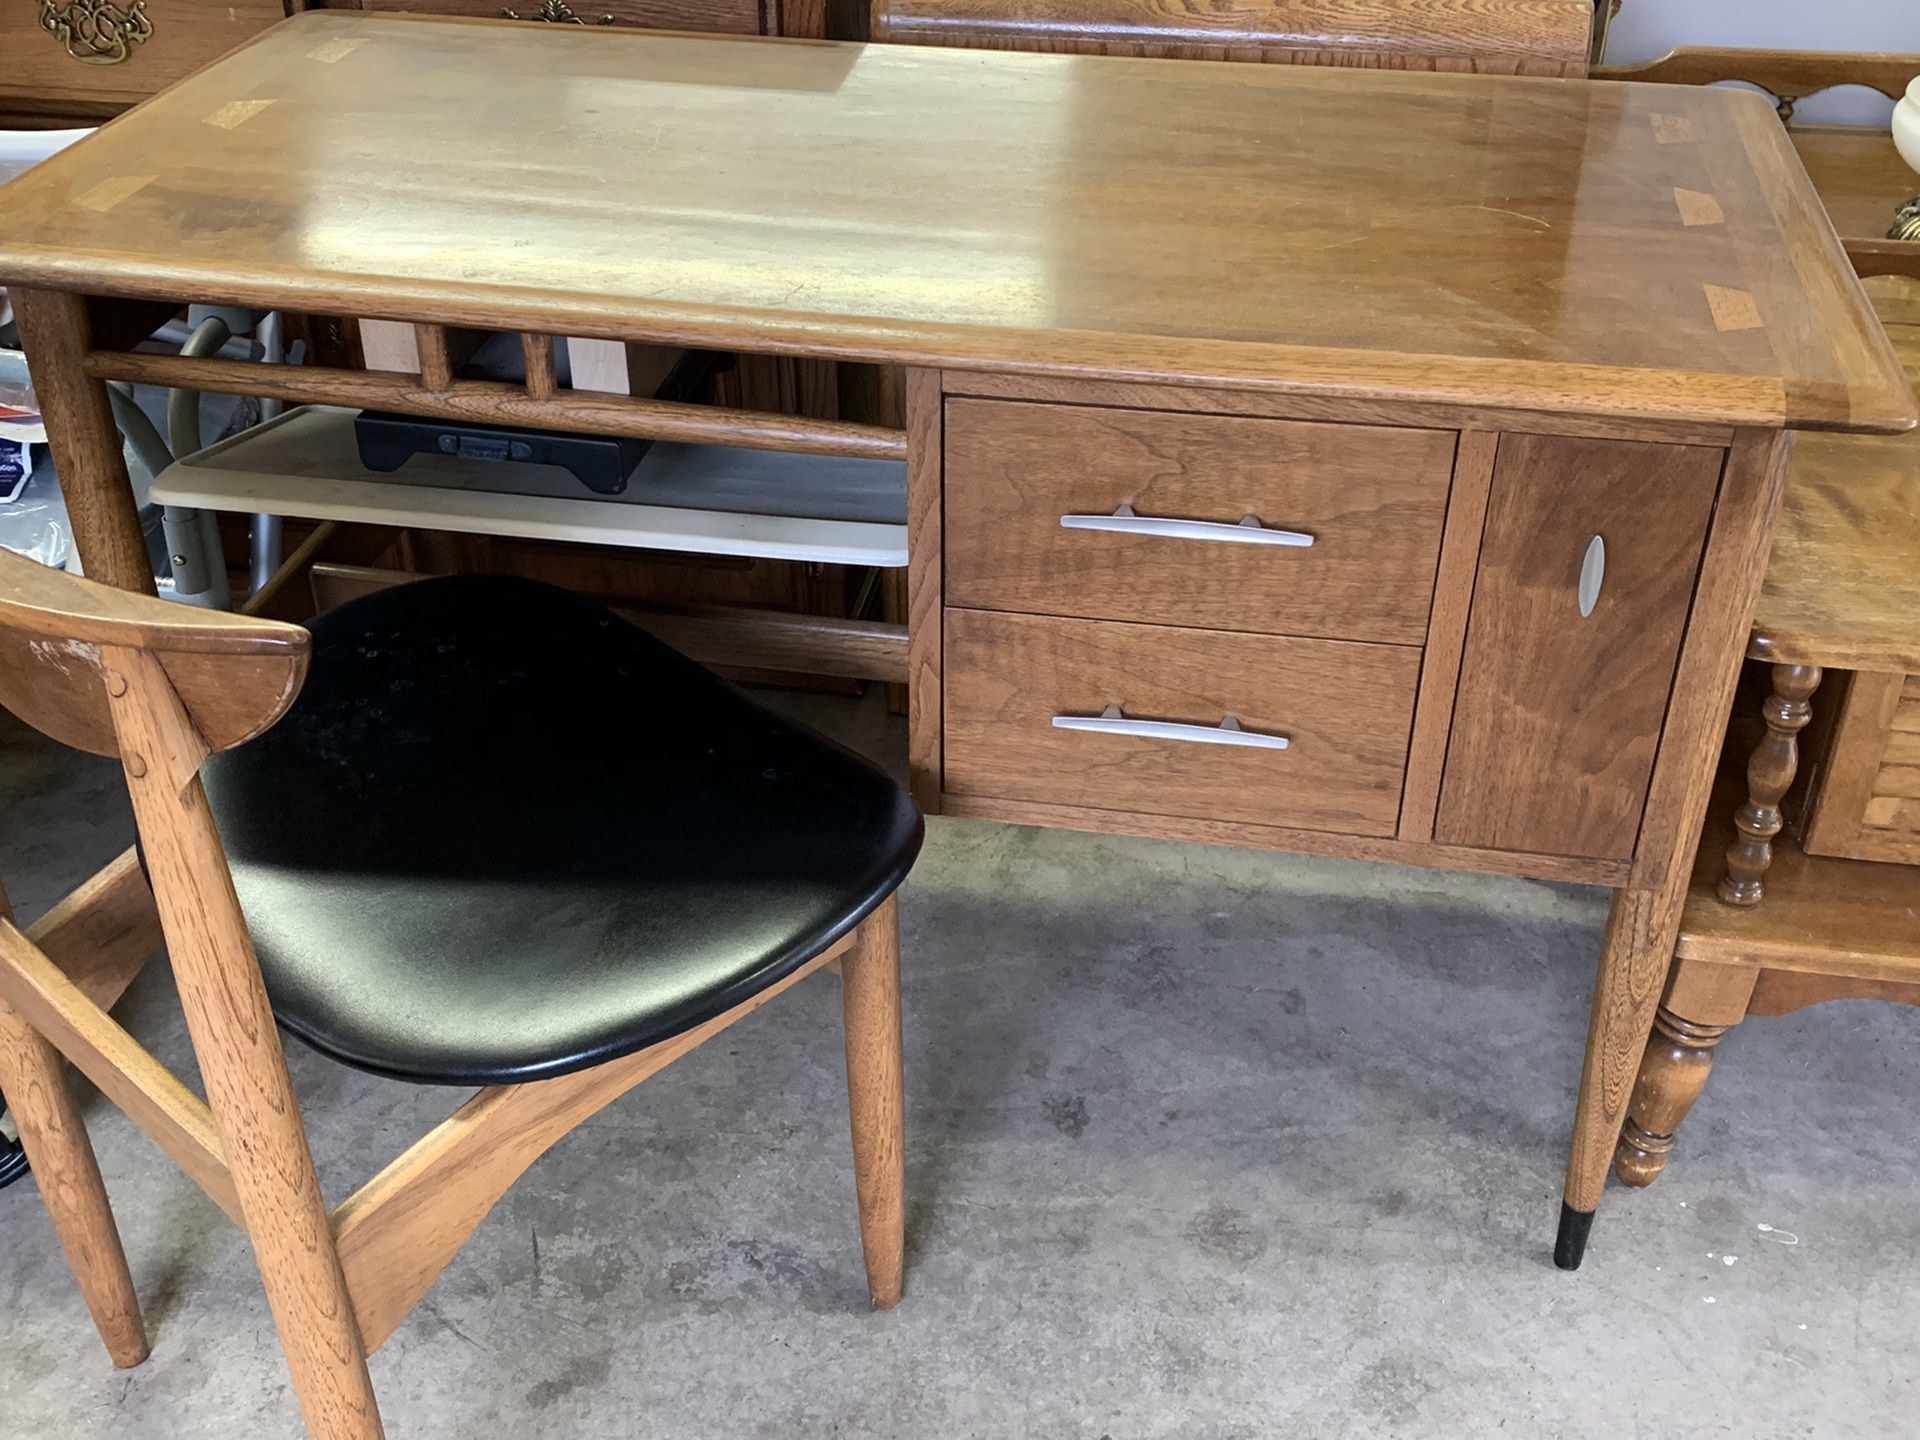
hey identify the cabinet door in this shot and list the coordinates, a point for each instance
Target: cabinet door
(1558, 713)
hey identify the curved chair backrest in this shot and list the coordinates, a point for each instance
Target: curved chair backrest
(1788, 76)
(1509, 37)
(234, 675)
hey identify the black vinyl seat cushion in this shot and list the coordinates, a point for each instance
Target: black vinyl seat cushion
(503, 834)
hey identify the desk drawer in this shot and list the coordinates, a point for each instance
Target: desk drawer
(1371, 499)
(721, 17)
(1345, 710)
(100, 66)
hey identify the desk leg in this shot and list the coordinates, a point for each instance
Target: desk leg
(56, 331)
(1645, 920)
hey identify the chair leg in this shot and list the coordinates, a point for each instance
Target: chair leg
(230, 1022)
(876, 1098)
(1702, 1003)
(34, 1077)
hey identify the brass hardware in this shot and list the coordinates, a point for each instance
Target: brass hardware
(1906, 224)
(96, 32)
(555, 12)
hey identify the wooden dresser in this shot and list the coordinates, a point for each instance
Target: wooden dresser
(75, 61)
(81, 60)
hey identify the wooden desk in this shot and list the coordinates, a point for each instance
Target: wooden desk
(1455, 329)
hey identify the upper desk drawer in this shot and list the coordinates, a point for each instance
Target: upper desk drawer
(1349, 519)
(723, 17)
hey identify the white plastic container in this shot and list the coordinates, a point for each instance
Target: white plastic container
(1906, 126)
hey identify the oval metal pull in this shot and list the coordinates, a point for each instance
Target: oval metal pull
(1593, 574)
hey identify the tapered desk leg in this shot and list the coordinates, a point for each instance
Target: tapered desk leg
(1645, 920)
(57, 334)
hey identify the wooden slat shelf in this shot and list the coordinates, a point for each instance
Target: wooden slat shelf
(698, 499)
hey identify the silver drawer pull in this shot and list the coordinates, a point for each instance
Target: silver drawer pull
(1228, 732)
(1593, 574)
(1249, 531)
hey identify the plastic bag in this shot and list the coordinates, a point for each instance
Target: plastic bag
(36, 524)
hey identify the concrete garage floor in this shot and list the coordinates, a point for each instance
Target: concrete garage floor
(1202, 1142)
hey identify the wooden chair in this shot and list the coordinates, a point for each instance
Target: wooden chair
(1508, 37)
(1773, 925)
(469, 832)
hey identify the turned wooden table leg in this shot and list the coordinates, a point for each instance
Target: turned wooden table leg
(1672, 1074)
(1770, 774)
(1702, 1003)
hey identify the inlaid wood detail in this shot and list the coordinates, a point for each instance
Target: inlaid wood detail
(1732, 309)
(1671, 129)
(332, 52)
(110, 192)
(1698, 208)
(236, 112)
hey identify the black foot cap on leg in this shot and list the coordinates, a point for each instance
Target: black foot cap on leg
(1570, 1245)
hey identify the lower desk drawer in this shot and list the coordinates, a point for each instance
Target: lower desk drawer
(1345, 709)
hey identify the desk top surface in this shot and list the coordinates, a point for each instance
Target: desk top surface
(1604, 249)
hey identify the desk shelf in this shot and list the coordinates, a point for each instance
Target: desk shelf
(697, 499)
